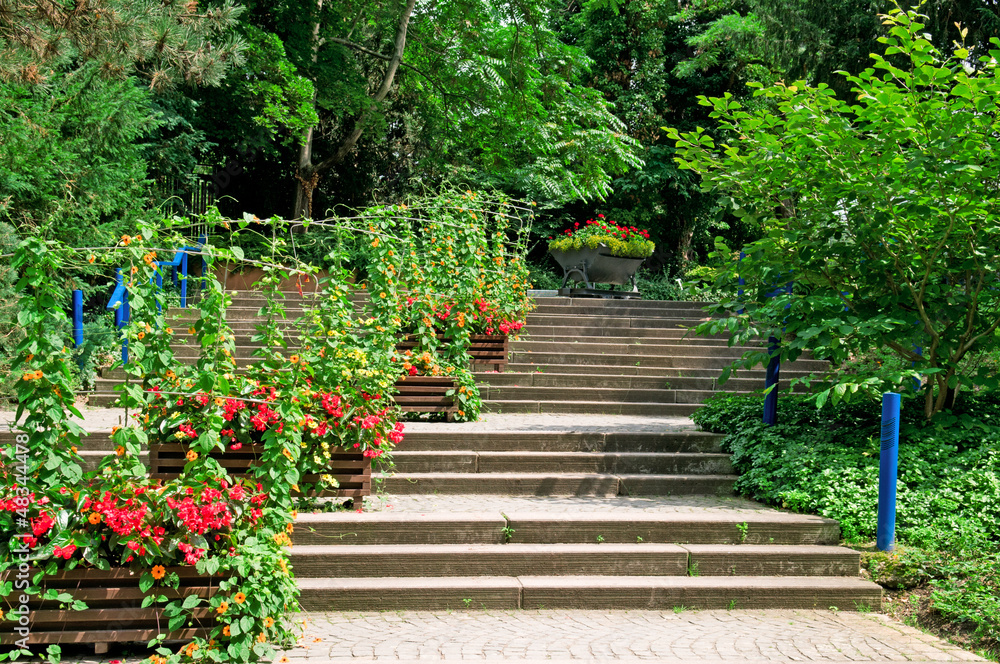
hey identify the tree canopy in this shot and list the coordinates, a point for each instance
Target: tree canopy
(882, 211)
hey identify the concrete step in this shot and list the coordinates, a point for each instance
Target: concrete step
(523, 367)
(508, 441)
(606, 394)
(706, 361)
(691, 347)
(562, 462)
(590, 407)
(588, 592)
(435, 560)
(561, 441)
(584, 382)
(602, 559)
(557, 484)
(618, 323)
(688, 311)
(765, 527)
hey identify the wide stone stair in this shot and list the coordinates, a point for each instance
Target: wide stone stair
(585, 485)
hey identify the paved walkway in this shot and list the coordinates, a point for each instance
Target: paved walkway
(600, 636)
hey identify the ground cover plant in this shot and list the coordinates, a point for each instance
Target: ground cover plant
(826, 462)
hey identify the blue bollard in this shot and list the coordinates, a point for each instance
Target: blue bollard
(78, 318)
(888, 463)
(184, 280)
(771, 383)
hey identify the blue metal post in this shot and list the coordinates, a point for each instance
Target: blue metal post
(771, 383)
(158, 279)
(888, 463)
(204, 262)
(184, 279)
(78, 318)
(742, 283)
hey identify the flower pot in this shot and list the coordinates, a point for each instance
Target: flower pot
(592, 266)
(114, 612)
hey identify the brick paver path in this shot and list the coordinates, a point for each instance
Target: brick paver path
(688, 636)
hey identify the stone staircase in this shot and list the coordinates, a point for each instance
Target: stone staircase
(586, 485)
(621, 357)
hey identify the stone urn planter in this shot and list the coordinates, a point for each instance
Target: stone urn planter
(594, 266)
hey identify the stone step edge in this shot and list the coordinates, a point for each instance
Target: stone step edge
(598, 592)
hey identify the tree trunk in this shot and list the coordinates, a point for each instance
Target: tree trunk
(309, 173)
(304, 178)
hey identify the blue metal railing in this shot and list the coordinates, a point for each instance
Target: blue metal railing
(119, 297)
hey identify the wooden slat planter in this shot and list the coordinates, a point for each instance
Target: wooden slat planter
(426, 394)
(488, 349)
(114, 612)
(351, 469)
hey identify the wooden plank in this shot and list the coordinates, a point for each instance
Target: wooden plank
(37, 637)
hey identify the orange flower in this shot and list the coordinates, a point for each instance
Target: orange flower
(287, 454)
(91, 258)
(134, 269)
(120, 450)
(269, 622)
(30, 375)
(283, 660)
(171, 375)
(240, 598)
(222, 608)
(289, 528)
(114, 430)
(138, 238)
(262, 637)
(219, 401)
(294, 359)
(225, 631)
(126, 240)
(170, 330)
(95, 518)
(159, 571)
(191, 455)
(191, 330)
(141, 335)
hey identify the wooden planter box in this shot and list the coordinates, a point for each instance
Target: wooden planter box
(426, 394)
(114, 612)
(488, 349)
(351, 469)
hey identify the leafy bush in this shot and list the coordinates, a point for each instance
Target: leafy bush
(827, 462)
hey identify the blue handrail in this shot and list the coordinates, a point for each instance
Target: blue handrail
(119, 297)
